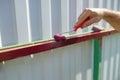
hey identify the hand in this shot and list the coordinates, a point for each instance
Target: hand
(94, 15)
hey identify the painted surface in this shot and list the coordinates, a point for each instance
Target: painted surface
(72, 62)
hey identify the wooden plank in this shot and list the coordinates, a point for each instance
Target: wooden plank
(48, 45)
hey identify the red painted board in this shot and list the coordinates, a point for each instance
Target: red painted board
(45, 46)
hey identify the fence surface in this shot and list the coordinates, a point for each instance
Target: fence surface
(111, 57)
(57, 64)
(24, 21)
(73, 62)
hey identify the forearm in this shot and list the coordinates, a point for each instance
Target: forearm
(113, 18)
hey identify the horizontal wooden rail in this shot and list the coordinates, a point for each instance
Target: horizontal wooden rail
(12, 53)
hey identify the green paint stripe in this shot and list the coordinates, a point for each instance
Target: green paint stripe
(97, 60)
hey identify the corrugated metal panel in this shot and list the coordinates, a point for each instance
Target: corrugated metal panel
(111, 59)
(8, 33)
(72, 62)
(23, 21)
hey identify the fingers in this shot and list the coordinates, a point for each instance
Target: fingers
(93, 14)
(77, 27)
(83, 17)
(81, 25)
(91, 21)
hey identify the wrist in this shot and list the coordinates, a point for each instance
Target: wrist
(105, 13)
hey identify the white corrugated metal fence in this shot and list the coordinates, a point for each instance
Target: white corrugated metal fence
(23, 21)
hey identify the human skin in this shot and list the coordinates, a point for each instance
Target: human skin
(96, 14)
